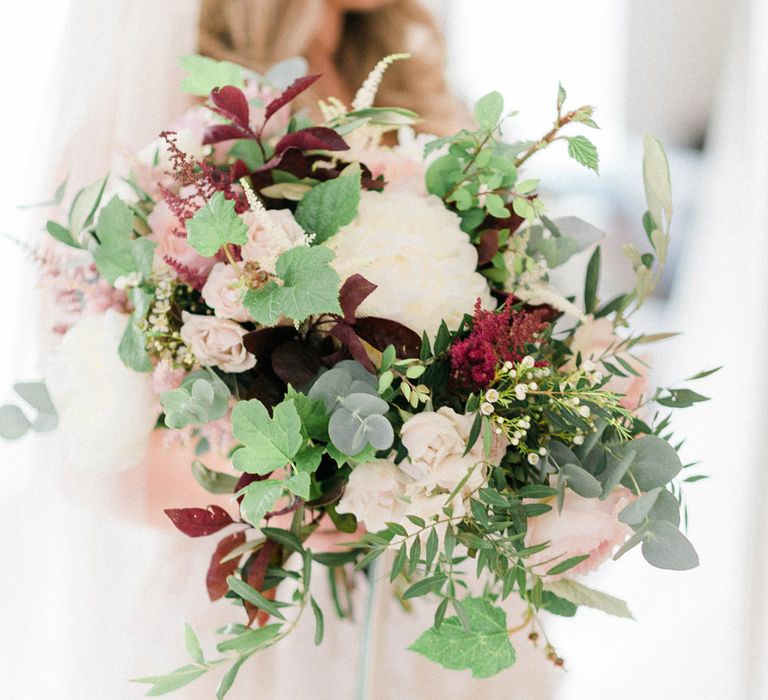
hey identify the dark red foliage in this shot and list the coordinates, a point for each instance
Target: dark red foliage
(488, 246)
(496, 337)
(291, 93)
(231, 103)
(222, 132)
(198, 522)
(295, 362)
(345, 333)
(380, 332)
(216, 579)
(256, 576)
(355, 290)
(312, 139)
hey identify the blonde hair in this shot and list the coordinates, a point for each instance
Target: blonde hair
(259, 33)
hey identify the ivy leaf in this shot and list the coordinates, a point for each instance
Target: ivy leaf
(484, 649)
(329, 206)
(310, 286)
(259, 498)
(299, 484)
(215, 224)
(205, 74)
(270, 443)
(583, 151)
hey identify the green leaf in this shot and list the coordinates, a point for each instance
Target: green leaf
(656, 180)
(681, 398)
(113, 254)
(319, 625)
(250, 594)
(583, 151)
(488, 110)
(173, 681)
(84, 207)
(299, 484)
(665, 547)
(249, 152)
(250, 640)
(399, 562)
(215, 224)
(581, 481)
(329, 206)
(13, 423)
(259, 498)
(425, 585)
(213, 481)
(557, 605)
(270, 442)
(484, 649)
(442, 175)
(656, 462)
(132, 349)
(62, 234)
(314, 419)
(283, 537)
(205, 74)
(495, 206)
(228, 679)
(569, 563)
(560, 95)
(193, 645)
(310, 286)
(579, 594)
(591, 282)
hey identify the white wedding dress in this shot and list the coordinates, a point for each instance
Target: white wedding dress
(97, 585)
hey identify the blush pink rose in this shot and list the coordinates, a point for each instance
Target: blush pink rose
(596, 338)
(165, 226)
(216, 341)
(401, 172)
(584, 526)
(264, 245)
(223, 292)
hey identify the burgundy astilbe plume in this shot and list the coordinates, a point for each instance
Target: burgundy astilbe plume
(496, 337)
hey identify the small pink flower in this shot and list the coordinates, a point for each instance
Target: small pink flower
(166, 378)
(216, 341)
(584, 526)
(223, 292)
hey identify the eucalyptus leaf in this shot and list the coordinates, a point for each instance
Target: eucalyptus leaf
(665, 547)
(656, 462)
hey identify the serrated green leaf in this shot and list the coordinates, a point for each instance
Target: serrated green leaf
(298, 484)
(269, 442)
(583, 151)
(214, 225)
(329, 206)
(310, 286)
(484, 649)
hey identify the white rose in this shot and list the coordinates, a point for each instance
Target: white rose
(223, 292)
(436, 443)
(413, 248)
(374, 494)
(216, 341)
(106, 410)
(266, 245)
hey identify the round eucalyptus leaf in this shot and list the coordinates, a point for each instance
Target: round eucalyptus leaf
(45, 422)
(561, 454)
(581, 481)
(361, 387)
(202, 392)
(13, 422)
(656, 462)
(667, 508)
(36, 395)
(635, 513)
(379, 432)
(364, 405)
(331, 385)
(357, 371)
(615, 470)
(665, 547)
(347, 432)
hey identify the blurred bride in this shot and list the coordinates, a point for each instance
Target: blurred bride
(119, 582)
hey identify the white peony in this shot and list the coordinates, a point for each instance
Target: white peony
(413, 248)
(374, 494)
(106, 410)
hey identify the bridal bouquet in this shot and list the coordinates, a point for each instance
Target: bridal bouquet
(367, 327)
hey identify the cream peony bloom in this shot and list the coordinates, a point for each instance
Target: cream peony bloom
(374, 494)
(216, 341)
(266, 245)
(223, 292)
(106, 411)
(415, 251)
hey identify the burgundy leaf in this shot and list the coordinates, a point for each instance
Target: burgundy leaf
(198, 522)
(488, 246)
(256, 576)
(381, 332)
(512, 222)
(314, 138)
(232, 104)
(346, 334)
(224, 132)
(261, 343)
(355, 290)
(216, 579)
(295, 362)
(292, 92)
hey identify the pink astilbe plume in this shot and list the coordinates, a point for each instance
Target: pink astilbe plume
(496, 337)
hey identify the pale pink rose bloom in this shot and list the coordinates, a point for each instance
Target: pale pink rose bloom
(596, 338)
(374, 494)
(216, 341)
(401, 172)
(584, 526)
(165, 226)
(265, 246)
(223, 292)
(166, 378)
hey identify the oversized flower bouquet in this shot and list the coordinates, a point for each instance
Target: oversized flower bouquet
(370, 333)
